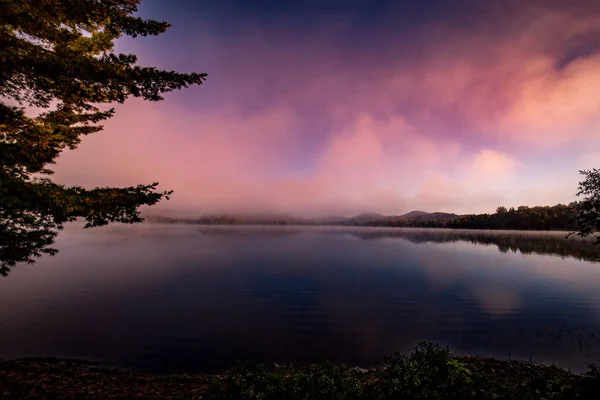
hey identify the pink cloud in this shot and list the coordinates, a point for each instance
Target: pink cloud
(491, 164)
(308, 127)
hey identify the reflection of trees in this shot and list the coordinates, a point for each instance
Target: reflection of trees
(503, 248)
(523, 243)
(505, 242)
(260, 232)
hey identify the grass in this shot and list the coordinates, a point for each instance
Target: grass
(430, 372)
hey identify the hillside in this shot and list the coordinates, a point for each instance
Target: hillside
(425, 216)
(364, 218)
(414, 214)
(558, 217)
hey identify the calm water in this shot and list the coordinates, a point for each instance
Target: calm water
(187, 298)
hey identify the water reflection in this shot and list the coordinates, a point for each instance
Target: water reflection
(172, 298)
(553, 243)
(524, 242)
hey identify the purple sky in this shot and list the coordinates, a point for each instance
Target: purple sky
(331, 107)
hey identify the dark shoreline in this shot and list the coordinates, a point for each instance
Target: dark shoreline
(430, 369)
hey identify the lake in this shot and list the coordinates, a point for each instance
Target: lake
(174, 298)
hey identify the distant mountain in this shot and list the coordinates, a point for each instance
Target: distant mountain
(414, 214)
(425, 216)
(364, 218)
(436, 216)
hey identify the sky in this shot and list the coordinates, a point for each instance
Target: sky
(340, 107)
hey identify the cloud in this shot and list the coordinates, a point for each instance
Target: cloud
(437, 117)
(590, 160)
(491, 165)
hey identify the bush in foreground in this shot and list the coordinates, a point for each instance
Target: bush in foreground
(429, 373)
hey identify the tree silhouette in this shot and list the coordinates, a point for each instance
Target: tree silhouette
(57, 55)
(588, 210)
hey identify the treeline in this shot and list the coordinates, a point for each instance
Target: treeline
(557, 218)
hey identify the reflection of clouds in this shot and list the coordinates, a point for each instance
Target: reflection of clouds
(443, 268)
(567, 269)
(497, 301)
(569, 274)
(499, 282)
(495, 293)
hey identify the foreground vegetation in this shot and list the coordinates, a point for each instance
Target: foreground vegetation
(430, 372)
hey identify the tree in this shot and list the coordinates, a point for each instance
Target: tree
(57, 56)
(588, 211)
(501, 210)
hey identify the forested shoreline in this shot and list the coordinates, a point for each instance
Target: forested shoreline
(542, 218)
